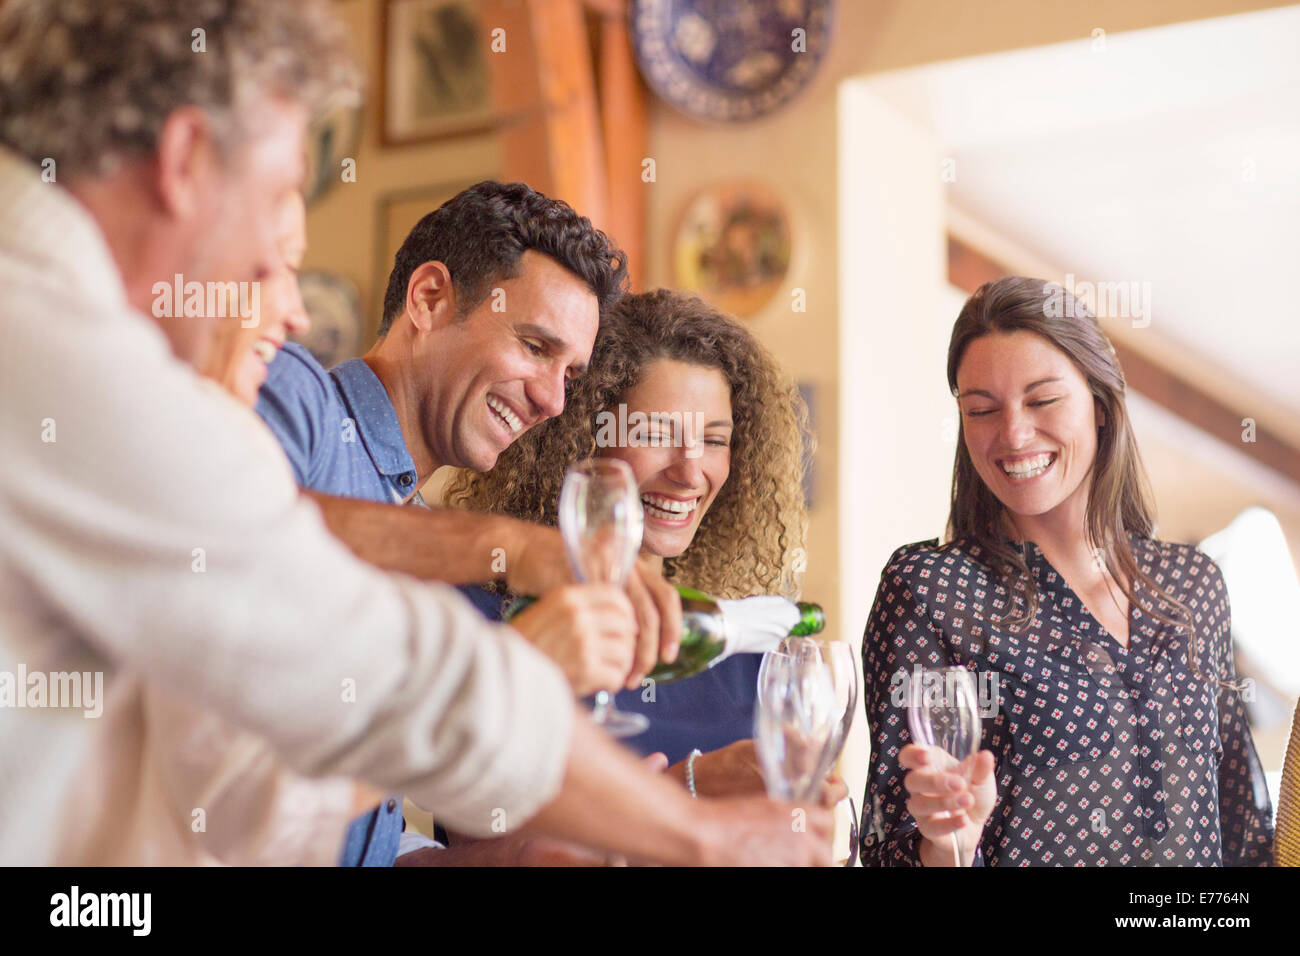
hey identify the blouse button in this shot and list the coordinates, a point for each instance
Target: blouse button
(405, 481)
(392, 805)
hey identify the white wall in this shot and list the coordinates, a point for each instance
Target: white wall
(897, 421)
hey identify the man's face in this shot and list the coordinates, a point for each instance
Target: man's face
(502, 369)
(233, 233)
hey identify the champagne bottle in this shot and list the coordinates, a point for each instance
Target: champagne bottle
(714, 629)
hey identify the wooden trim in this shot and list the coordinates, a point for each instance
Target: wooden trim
(969, 268)
(624, 128)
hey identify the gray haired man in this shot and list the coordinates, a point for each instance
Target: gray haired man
(151, 530)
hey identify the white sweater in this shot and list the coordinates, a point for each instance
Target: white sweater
(152, 474)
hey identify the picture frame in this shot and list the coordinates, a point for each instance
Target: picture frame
(435, 81)
(396, 213)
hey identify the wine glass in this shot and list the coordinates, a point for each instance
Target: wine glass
(841, 661)
(601, 522)
(943, 713)
(794, 720)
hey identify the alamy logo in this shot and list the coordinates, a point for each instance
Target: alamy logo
(936, 689)
(213, 300)
(1106, 300)
(102, 909)
(655, 430)
(67, 690)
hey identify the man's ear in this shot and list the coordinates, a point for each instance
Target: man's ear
(430, 297)
(186, 161)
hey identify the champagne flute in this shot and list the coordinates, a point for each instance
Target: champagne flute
(943, 713)
(601, 522)
(794, 720)
(841, 662)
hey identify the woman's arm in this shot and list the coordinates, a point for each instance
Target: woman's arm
(1245, 810)
(901, 784)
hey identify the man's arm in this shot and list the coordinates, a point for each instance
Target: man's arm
(646, 816)
(464, 547)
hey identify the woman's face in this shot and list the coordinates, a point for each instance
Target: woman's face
(1029, 421)
(677, 484)
(240, 356)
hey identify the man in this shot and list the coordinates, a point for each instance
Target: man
(148, 534)
(491, 308)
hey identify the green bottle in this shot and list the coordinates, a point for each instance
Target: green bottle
(714, 629)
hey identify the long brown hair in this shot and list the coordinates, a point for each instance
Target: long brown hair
(1119, 495)
(747, 540)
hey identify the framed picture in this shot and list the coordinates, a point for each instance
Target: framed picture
(436, 80)
(396, 214)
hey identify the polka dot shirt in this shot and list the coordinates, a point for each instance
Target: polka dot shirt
(1106, 754)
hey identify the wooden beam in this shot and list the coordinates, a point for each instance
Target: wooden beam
(625, 130)
(969, 268)
(546, 93)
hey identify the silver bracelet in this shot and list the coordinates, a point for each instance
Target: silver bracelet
(690, 771)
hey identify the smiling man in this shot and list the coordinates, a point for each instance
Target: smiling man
(492, 306)
(150, 529)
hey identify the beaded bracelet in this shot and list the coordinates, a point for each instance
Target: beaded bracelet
(690, 770)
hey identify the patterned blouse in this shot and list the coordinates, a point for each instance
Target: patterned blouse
(1106, 755)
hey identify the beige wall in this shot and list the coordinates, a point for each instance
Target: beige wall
(797, 151)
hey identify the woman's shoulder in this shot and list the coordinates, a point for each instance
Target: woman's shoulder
(1183, 569)
(955, 563)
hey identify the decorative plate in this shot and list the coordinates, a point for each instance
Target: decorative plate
(733, 247)
(729, 60)
(334, 305)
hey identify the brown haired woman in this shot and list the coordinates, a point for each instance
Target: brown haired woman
(1119, 737)
(724, 507)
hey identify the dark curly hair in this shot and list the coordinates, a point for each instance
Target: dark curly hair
(481, 233)
(748, 540)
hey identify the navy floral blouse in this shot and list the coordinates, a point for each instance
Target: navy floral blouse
(1106, 755)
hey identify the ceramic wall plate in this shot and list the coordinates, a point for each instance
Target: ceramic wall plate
(334, 305)
(729, 60)
(733, 247)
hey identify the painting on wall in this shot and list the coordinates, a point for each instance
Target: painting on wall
(436, 80)
(733, 247)
(396, 215)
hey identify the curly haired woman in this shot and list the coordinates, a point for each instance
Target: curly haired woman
(722, 495)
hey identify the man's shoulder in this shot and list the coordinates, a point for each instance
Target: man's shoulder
(296, 368)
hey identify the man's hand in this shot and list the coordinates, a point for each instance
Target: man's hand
(754, 831)
(536, 563)
(659, 620)
(587, 629)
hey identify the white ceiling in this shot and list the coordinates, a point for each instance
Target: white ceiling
(1170, 157)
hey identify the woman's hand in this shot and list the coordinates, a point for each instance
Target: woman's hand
(733, 771)
(589, 630)
(943, 803)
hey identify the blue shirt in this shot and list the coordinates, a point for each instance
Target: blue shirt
(341, 435)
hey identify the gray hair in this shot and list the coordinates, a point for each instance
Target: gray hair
(89, 83)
